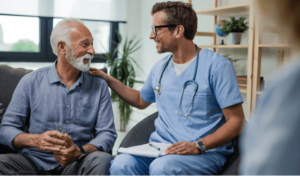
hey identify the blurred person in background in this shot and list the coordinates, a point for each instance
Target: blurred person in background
(271, 142)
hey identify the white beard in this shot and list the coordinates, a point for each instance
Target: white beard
(78, 62)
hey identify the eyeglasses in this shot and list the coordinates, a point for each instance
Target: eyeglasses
(163, 26)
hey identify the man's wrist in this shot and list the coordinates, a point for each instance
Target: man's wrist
(201, 146)
(82, 153)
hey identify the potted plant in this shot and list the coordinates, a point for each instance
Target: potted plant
(235, 28)
(121, 66)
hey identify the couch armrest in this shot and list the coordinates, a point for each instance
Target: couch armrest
(141, 132)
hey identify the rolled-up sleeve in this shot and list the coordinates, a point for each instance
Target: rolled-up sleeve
(105, 132)
(14, 119)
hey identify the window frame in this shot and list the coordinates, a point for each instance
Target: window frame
(46, 54)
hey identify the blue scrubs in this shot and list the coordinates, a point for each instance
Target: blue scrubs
(217, 89)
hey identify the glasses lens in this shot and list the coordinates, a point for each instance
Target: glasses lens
(153, 30)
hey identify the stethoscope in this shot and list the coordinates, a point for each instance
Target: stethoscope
(158, 89)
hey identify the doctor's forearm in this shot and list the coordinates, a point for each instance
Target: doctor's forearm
(127, 94)
(224, 134)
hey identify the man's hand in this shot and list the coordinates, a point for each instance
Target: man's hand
(50, 141)
(96, 72)
(183, 148)
(66, 156)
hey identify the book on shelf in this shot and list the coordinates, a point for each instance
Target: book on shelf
(244, 78)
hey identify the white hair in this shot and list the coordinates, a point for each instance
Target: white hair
(61, 32)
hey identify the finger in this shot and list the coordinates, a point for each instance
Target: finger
(56, 134)
(68, 139)
(171, 146)
(60, 161)
(182, 153)
(93, 69)
(51, 149)
(57, 142)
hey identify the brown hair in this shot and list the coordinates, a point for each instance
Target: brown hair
(179, 13)
(285, 14)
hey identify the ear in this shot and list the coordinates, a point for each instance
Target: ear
(62, 47)
(179, 31)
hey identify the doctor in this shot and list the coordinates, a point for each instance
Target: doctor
(197, 97)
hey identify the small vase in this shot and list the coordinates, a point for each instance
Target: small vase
(235, 38)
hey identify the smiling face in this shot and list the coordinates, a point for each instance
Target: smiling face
(81, 52)
(164, 37)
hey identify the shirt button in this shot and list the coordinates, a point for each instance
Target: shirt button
(67, 106)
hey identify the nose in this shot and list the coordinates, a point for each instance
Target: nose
(91, 50)
(152, 36)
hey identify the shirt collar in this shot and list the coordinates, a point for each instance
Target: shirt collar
(53, 76)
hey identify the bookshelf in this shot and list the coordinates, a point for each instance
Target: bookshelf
(255, 46)
(216, 11)
(284, 51)
(226, 10)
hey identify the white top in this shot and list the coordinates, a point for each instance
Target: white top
(179, 68)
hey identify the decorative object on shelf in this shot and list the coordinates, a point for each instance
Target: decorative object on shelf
(230, 58)
(235, 28)
(121, 66)
(218, 27)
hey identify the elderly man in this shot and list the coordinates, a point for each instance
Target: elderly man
(61, 106)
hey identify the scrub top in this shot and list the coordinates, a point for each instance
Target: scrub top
(217, 89)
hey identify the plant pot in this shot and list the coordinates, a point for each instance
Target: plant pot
(235, 38)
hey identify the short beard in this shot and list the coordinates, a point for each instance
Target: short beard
(78, 62)
(170, 48)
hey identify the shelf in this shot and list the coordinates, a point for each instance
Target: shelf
(243, 90)
(259, 92)
(223, 46)
(274, 46)
(226, 10)
(207, 34)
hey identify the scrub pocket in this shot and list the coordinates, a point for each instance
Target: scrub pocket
(203, 106)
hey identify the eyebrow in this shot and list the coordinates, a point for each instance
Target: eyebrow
(87, 40)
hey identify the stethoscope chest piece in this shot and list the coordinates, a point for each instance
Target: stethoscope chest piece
(157, 89)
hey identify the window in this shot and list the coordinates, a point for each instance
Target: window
(19, 34)
(27, 38)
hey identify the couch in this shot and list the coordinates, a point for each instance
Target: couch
(141, 132)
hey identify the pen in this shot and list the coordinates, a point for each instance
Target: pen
(154, 146)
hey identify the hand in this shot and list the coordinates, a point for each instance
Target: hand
(96, 72)
(183, 148)
(50, 141)
(66, 156)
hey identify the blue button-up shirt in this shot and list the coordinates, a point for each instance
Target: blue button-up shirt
(43, 99)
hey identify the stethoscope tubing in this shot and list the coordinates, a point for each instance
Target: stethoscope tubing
(158, 89)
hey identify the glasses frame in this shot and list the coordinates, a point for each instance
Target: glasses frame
(162, 26)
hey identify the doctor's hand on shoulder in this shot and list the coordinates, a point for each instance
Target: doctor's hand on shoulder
(69, 154)
(97, 72)
(183, 148)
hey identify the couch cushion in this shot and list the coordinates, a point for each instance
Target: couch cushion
(9, 79)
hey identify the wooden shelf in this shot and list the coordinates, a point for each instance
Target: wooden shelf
(259, 92)
(207, 34)
(243, 90)
(226, 10)
(223, 46)
(274, 46)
